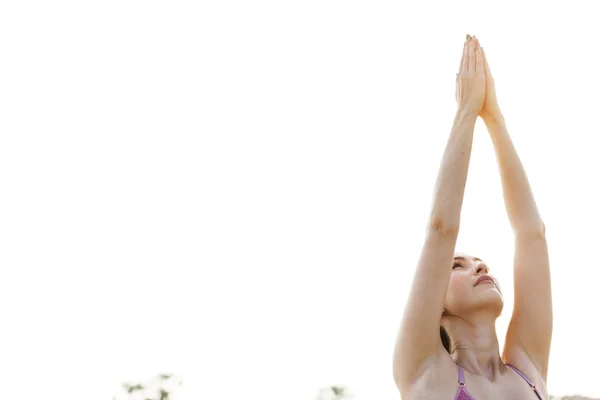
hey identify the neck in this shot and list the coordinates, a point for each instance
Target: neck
(475, 344)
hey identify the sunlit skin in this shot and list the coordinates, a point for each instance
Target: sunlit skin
(444, 290)
(470, 313)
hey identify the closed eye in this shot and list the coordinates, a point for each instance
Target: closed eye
(456, 265)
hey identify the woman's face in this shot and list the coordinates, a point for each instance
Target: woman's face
(470, 289)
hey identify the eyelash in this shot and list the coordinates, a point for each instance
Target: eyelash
(456, 265)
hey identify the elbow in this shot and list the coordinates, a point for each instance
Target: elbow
(534, 231)
(543, 230)
(443, 228)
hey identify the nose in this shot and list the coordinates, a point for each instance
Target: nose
(482, 268)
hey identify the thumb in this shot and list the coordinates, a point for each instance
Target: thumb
(486, 66)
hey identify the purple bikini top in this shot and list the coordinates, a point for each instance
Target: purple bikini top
(462, 394)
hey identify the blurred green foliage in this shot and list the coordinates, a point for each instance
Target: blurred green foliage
(160, 388)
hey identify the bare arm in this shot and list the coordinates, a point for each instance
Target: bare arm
(530, 328)
(418, 340)
(520, 205)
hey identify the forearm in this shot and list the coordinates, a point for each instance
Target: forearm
(518, 197)
(452, 177)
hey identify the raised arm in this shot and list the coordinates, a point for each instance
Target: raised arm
(530, 328)
(418, 341)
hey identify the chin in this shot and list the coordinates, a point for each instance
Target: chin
(493, 301)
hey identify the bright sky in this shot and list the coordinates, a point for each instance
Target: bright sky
(237, 192)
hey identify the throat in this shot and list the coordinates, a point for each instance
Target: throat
(475, 344)
(486, 363)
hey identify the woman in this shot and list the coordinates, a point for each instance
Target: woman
(447, 346)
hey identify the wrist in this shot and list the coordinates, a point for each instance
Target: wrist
(466, 114)
(494, 116)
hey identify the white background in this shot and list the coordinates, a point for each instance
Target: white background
(237, 192)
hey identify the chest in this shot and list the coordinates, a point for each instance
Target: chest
(496, 394)
(445, 387)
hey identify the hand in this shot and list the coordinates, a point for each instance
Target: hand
(490, 105)
(470, 80)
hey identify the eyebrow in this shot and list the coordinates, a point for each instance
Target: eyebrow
(461, 258)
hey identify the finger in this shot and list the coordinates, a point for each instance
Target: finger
(479, 67)
(472, 56)
(462, 59)
(464, 62)
(485, 63)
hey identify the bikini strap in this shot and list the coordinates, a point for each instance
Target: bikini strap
(461, 377)
(522, 374)
(526, 380)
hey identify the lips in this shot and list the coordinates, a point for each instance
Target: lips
(485, 278)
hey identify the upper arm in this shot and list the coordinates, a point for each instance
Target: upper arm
(530, 328)
(418, 339)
